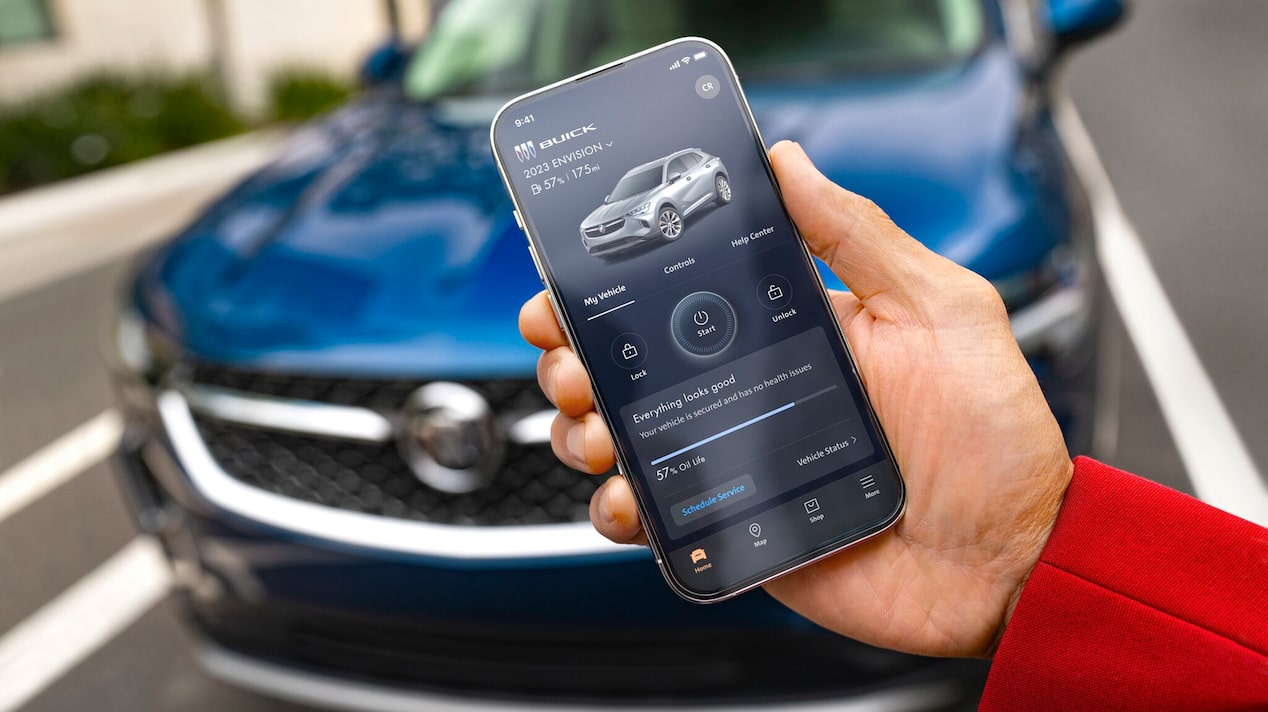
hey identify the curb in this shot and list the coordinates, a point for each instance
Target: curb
(38, 209)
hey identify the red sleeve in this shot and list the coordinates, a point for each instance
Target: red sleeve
(1143, 599)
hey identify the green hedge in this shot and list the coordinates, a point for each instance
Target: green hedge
(106, 120)
(109, 119)
(300, 93)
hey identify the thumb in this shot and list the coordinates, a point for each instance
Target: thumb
(856, 238)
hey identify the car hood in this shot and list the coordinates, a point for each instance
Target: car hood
(381, 241)
(612, 211)
(945, 154)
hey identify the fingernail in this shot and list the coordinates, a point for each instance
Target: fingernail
(577, 443)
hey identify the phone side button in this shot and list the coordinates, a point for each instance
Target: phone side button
(532, 252)
(559, 317)
(518, 220)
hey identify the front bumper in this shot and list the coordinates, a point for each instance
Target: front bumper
(289, 614)
(308, 688)
(633, 232)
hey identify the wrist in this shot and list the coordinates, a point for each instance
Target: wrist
(1034, 538)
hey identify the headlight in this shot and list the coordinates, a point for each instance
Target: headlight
(1049, 307)
(1025, 288)
(136, 350)
(640, 210)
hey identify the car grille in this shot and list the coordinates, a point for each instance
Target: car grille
(606, 228)
(531, 487)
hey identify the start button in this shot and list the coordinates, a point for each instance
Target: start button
(703, 323)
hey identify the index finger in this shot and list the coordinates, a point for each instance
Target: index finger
(538, 324)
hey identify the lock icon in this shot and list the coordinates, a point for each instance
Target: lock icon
(774, 293)
(629, 352)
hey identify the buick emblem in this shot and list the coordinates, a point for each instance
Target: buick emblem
(602, 228)
(449, 436)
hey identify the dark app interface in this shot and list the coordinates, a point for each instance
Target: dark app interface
(698, 315)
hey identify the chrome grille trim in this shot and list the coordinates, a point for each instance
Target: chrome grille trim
(345, 422)
(605, 228)
(294, 416)
(322, 523)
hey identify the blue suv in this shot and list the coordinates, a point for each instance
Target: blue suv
(335, 430)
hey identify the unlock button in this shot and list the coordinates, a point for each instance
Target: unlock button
(774, 291)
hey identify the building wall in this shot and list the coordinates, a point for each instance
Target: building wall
(128, 34)
(260, 37)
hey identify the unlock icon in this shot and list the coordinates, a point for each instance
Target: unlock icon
(629, 351)
(774, 293)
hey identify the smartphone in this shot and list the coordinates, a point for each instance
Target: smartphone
(655, 220)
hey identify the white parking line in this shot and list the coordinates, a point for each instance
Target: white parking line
(58, 462)
(42, 648)
(1222, 471)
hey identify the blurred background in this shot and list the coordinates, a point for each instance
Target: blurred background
(256, 265)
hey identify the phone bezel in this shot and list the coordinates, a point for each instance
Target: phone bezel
(809, 557)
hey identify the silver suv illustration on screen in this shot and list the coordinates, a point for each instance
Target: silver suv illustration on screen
(652, 200)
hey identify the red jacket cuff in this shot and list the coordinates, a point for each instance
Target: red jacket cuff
(1143, 599)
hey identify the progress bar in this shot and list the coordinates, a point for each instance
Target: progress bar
(724, 433)
(745, 424)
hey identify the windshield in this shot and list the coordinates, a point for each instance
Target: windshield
(635, 184)
(507, 46)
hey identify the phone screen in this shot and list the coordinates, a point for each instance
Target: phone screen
(713, 352)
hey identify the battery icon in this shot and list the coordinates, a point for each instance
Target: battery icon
(698, 55)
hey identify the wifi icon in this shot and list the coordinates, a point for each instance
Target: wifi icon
(686, 60)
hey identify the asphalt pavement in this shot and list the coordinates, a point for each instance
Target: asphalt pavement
(1174, 101)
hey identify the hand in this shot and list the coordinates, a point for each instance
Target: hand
(984, 461)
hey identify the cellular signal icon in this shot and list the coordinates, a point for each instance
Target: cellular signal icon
(677, 63)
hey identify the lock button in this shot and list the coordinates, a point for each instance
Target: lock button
(629, 350)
